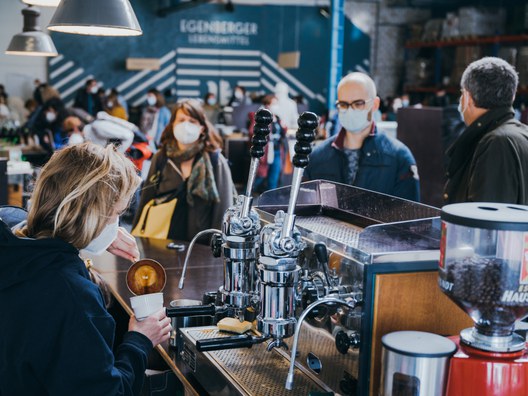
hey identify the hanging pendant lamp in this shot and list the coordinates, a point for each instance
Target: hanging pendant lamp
(42, 3)
(32, 41)
(95, 17)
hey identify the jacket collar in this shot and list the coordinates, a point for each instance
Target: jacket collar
(460, 151)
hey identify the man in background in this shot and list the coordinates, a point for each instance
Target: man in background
(360, 156)
(489, 160)
(87, 98)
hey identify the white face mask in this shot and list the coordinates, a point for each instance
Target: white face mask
(274, 108)
(211, 101)
(50, 116)
(187, 132)
(354, 121)
(239, 94)
(151, 100)
(109, 104)
(103, 240)
(94, 90)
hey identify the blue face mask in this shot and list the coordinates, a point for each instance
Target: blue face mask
(461, 110)
(354, 121)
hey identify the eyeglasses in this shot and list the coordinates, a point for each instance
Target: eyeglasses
(356, 104)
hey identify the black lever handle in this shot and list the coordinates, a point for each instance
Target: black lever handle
(221, 343)
(322, 256)
(261, 130)
(191, 310)
(305, 135)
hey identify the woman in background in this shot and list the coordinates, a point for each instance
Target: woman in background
(189, 162)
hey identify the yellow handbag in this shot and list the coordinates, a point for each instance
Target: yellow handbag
(155, 219)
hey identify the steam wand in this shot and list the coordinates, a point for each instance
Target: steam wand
(325, 300)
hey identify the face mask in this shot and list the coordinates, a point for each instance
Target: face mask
(151, 100)
(354, 121)
(405, 103)
(274, 108)
(461, 110)
(187, 132)
(50, 117)
(211, 101)
(109, 105)
(94, 90)
(239, 95)
(103, 240)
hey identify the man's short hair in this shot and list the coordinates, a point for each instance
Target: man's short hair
(491, 82)
(362, 78)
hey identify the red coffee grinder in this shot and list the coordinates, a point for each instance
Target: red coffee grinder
(484, 270)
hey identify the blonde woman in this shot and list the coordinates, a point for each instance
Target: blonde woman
(56, 335)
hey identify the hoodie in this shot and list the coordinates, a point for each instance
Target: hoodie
(56, 335)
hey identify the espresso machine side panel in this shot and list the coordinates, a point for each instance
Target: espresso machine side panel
(402, 296)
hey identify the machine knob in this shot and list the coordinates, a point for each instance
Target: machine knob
(261, 130)
(216, 245)
(344, 341)
(348, 384)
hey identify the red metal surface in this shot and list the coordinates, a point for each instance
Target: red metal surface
(487, 373)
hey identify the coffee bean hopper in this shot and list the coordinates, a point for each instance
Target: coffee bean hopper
(484, 270)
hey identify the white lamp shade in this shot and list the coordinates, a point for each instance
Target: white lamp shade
(42, 3)
(96, 17)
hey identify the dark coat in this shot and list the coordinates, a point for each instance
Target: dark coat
(386, 165)
(56, 335)
(489, 161)
(88, 102)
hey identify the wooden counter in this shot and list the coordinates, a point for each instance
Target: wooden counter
(204, 273)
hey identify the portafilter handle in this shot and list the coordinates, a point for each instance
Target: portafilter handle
(232, 342)
(261, 130)
(191, 310)
(305, 135)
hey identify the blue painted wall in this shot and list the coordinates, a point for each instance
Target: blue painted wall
(198, 56)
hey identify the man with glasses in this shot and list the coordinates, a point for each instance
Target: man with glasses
(360, 156)
(489, 160)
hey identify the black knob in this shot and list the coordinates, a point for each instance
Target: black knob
(305, 136)
(261, 130)
(216, 245)
(342, 342)
(348, 384)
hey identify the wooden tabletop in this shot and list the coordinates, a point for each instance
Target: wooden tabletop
(204, 273)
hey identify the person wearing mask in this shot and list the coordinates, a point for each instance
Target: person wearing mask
(75, 207)
(154, 118)
(48, 124)
(114, 108)
(489, 161)
(189, 161)
(211, 107)
(360, 156)
(88, 99)
(285, 107)
(73, 127)
(239, 97)
(271, 163)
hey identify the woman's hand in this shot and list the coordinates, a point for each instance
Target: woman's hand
(156, 327)
(124, 246)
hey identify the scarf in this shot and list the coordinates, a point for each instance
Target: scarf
(201, 182)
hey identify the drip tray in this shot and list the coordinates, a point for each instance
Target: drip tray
(245, 371)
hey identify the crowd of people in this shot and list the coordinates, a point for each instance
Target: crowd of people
(85, 187)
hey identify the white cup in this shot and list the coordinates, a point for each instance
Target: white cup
(146, 304)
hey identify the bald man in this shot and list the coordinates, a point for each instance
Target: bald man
(360, 156)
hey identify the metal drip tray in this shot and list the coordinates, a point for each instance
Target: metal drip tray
(247, 371)
(336, 230)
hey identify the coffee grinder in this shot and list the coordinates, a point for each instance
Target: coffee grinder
(484, 269)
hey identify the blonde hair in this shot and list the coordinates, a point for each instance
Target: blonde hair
(77, 192)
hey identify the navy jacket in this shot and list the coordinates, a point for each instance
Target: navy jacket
(56, 335)
(386, 165)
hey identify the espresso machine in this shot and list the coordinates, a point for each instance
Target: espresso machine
(484, 269)
(238, 243)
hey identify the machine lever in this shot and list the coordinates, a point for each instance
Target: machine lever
(191, 310)
(322, 256)
(233, 342)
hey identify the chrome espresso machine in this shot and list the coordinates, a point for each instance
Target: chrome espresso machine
(329, 271)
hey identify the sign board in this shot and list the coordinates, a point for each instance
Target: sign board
(289, 60)
(142, 64)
